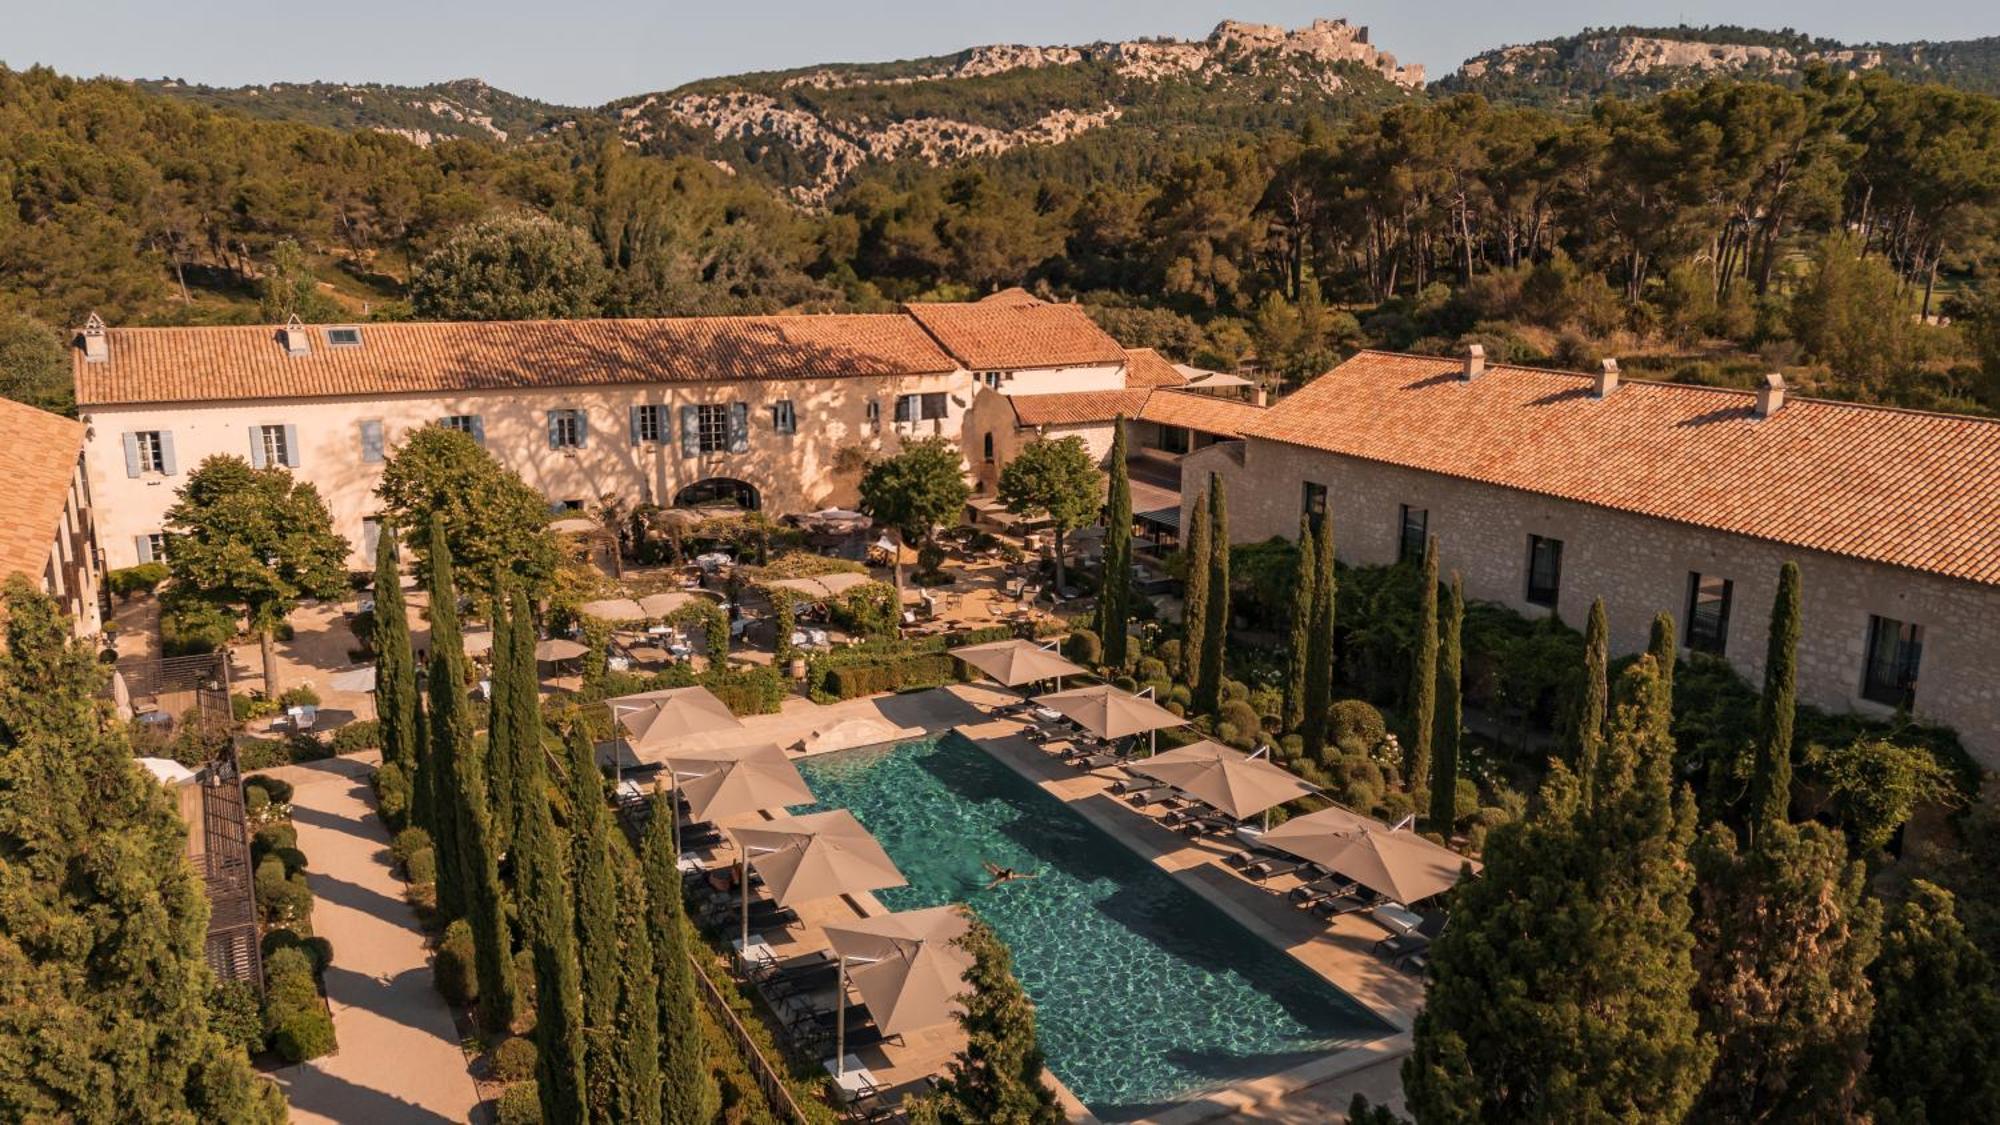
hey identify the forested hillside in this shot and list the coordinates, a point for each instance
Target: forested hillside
(1709, 234)
(463, 108)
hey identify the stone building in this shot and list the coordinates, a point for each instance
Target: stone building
(1549, 489)
(47, 534)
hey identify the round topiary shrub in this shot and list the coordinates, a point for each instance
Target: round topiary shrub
(456, 979)
(276, 788)
(1181, 696)
(293, 859)
(1152, 668)
(303, 1035)
(421, 867)
(276, 836)
(255, 801)
(1240, 715)
(1125, 683)
(320, 950)
(520, 1104)
(514, 1059)
(1084, 647)
(1355, 726)
(408, 842)
(1234, 689)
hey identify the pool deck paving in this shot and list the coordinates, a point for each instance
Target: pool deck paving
(1339, 952)
(398, 1058)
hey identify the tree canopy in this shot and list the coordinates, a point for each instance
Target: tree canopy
(493, 522)
(511, 267)
(917, 490)
(1055, 479)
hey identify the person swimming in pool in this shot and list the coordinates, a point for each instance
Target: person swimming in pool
(1006, 874)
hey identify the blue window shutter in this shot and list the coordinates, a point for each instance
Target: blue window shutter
(479, 428)
(553, 415)
(582, 429)
(690, 431)
(256, 447)
(131, 455)
(371, 442)
(167, 464)
(144, 543)
(739, 427)
(635, 424)
(291, 446)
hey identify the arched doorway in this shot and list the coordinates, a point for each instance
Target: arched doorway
(719, 492)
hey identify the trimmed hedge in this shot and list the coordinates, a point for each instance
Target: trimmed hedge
(457, 981)
(520, 1104)
(362, 734)
(514, 1059)
(892, 664)
(909, 673)
(294, 1017)
(279, 790)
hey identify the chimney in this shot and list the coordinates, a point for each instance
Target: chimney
(1475, 362)
(1607, 379)
(1771, 396)
(1259, 396)
(294, 335)
(96, 345)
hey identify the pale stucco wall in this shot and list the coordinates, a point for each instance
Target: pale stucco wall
(1054, 380)
(815, 468)
(1640, 567)
(991, 413)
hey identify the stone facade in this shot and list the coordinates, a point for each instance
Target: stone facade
(1640, 566)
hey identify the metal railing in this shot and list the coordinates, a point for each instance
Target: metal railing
(769, 1078)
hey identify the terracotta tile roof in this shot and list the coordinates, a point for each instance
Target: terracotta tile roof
(38, 452)
(203, 364)
(1900, 487)
(1226, 417)
(996, 335)
(1077, 408)
(1145, 367)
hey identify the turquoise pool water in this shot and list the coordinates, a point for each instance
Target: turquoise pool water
(1144, 992)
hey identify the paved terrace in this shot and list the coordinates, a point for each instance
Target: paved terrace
(1338, 952)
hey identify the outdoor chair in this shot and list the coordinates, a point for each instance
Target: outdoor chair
(1147, 798)
(1125, 785)
(1255, 855)
(1272, 868)
(1397, 946)
(1096, 761)
(1321, 890)
(1414, 962)
(1341, 905)
(1200, 826)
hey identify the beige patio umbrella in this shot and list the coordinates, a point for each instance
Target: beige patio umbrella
(1402, 865)
(559, 648)
(653, 719)
(478, 644)
(817, 855)
(614, 610)
(907, 968)
(1110, 712)
(660, 605)
(1237, 783)
(1017, 662)
(822, 586)
(737, 779)
(576, 525)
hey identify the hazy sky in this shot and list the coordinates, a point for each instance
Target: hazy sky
(585, 52)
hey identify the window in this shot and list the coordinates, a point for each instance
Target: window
(466, 424)
(712, 428)
(992, 378)
(989, 447)
(873, 413)
(649, 424)
(1894, 650)
(567, 429)
(347, 337)
(1708, 612)
(371, 535)
(371, 441)
(148, 452)
(783, 418)
(1545, 564)
(271, 445)
(1173, 439)
(1414, 534)
(1312, 503)
(923, 407)
(152, 547)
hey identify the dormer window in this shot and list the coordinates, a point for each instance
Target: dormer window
(344, 337)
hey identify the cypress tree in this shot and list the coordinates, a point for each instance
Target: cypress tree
(1450, 713)
(395, 666)
(423, 780)
(998, 1076)
(638, 996)
(1215, 634)
(1595, 700)
(687, 1091)
(1298, 656)
(1934, 1051)
(1593, 1018)
(1665, 650)
(1115, 599)
(543, 899)
(445, 684)
(597, 926)
(524, 696)
(104, 986)
(1319, 641)
(1423, 684)
(476, 863)
(499, 719)
(1194, 608)
(1777, 708)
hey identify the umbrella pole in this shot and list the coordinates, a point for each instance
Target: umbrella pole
(743, 892)
(840, 1024)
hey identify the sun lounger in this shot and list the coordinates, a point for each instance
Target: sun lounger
(793, 966)
(1125, 785)
(1254, 856)
(1200, 826)
(803, 982)
(857, 1018)
(1096, 761)
(1272, 868)
(1147, 798)
(1321, 890)
(1341, 905)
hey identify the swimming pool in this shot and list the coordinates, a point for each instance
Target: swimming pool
(1144, 992)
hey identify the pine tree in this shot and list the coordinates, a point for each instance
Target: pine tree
(1450, 713)
(1298, 655)
(1115, 599)
(638, 1044)
(998, 1077)
(1194, 607)
(687, 1092)
(1423, 685)
(597, 926)
(1561, 990)
(1215, 634)
(1934, 1050)
(1777, 708)
(543, 899)
(1319, 641)
(475, 862)
(1786, 931)
(395, 666)
(1595, 701)
(104, 988)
